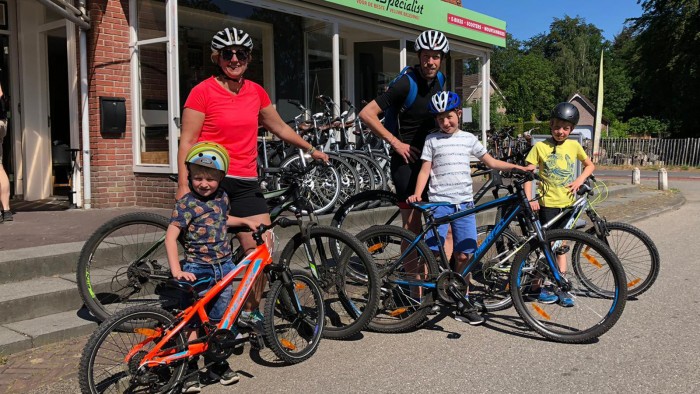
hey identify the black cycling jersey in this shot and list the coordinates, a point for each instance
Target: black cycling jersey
(416, 122)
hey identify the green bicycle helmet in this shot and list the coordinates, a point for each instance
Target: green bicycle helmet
(209, 154)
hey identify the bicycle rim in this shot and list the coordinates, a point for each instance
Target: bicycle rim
(402, 305)
(104, 367)
(291, 334)
(593, 312)
(637, 253)
(123, 263)
(321, 186)
(345, 273)
(489, 286)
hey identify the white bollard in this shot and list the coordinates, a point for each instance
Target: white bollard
(663, 179)
(636, 176)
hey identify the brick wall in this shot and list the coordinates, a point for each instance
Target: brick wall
(114, 183)
(112, 175)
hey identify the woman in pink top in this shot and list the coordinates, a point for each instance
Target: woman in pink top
(227, 109)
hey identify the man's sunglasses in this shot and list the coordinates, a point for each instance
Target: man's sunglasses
(241, 54)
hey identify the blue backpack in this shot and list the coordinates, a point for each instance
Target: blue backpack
(391, 117)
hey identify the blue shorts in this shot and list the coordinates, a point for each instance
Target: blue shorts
(218, 305)
(463, 229)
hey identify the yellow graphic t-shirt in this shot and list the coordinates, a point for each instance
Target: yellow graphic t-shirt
(556, 170)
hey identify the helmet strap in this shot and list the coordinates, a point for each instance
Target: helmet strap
(223, 75)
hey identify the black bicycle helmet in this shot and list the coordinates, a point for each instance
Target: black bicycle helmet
(567, 112)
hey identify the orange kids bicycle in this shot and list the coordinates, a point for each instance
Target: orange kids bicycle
(145, 349)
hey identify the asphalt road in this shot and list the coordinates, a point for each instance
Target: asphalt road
(655, 347)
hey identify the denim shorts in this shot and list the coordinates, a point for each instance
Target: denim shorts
(463, 229)
(218, 305)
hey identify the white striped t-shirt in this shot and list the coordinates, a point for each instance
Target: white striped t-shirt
(450, 174)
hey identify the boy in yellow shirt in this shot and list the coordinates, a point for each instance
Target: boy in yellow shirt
(556, 160)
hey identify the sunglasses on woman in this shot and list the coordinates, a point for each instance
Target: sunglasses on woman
(241, 54)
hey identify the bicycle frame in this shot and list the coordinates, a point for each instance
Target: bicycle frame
(253, 264)
(517, 208)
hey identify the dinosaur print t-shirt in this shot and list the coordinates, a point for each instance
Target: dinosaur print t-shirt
(556, 170)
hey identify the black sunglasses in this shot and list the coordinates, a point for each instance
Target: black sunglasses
(241, 54)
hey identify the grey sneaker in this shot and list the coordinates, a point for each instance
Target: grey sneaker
(223, 373)
(191, 383)
(7, 216)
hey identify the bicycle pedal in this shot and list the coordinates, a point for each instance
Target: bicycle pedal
(256, 341)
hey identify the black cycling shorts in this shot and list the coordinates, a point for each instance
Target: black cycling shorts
(547, 214)
(245, 197)
(405, 176)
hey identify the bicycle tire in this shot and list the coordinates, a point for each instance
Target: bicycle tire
(489, 287)
(592, 313)
(113, 342)
(399, 310)
(349, 178)
(321, 186)
(636, 251)
(349, 280)
(293, 338)
(118, 262)
(355, 216)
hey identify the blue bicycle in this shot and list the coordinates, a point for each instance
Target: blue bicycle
(414, 281)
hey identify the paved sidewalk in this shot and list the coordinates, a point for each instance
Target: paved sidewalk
(52, 364)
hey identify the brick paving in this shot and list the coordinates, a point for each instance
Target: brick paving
(34, 368)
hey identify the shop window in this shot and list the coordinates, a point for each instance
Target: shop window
(153, 82)
(151, 19)
(319, 48)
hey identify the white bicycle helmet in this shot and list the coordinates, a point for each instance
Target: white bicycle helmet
(231, 36)
(432, 40)
(443, 102)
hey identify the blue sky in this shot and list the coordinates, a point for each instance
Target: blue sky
(526, 18)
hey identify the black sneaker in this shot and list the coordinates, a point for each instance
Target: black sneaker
(223, 373)
(470, 316)
(7, 216)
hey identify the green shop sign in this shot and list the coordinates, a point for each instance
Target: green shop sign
(435, 14)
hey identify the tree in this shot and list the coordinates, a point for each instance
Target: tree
(573, 47)
(666, 63)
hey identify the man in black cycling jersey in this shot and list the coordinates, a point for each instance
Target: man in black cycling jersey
(414, 123)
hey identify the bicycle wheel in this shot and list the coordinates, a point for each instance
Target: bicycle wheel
(122, 264)
(592, 313)
(345, 272)
(636, 251)
(489, 284)
(349, 178)
(293, 331)
(365, 176)
(111, 357)
(320, 186)
(384, 162)
(402, 305)
(377, 170)
(353, 215)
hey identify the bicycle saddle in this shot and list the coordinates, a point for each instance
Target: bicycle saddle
(195, 287)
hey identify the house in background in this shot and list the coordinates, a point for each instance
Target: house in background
(471, 92)
(586, 122)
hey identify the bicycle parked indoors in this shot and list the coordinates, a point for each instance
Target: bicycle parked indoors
(124, 263)
(413, 282)
(146, 349)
